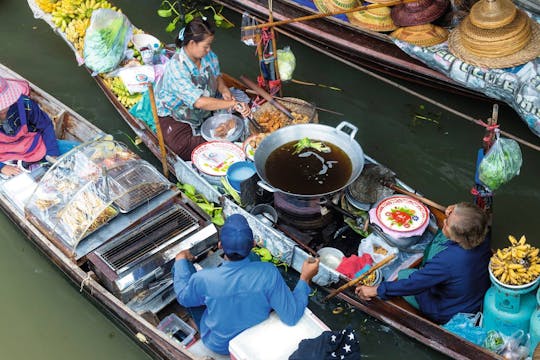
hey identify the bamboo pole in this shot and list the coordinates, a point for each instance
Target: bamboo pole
(353, 282)
(272, 23)
(162, 149)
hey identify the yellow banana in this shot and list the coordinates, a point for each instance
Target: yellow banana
(522, 240)
(512, 239)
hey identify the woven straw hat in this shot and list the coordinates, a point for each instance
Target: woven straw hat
(11, 90)
(326, 6)
(377, 19)
(506, 46)
(421, 35)
(492, 14)
(418, 13)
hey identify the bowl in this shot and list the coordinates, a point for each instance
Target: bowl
(222, 127)
(265, 213)
(330, 256)
(240, 171)
(376, 280)
(498, 282)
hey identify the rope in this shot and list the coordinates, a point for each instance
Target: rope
(447, 108)
(84, 282)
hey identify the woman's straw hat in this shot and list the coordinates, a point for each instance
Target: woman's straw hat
(418, 13)
(326, 6)
(477, 42)
(421, 35)
(377, 19)
(11, 90)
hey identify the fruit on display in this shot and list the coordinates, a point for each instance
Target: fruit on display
(517, 264)
(75, 32)
(119, 89)
(46, 5)
(66, 11)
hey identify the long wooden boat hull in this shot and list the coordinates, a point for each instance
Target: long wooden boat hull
(349, 44)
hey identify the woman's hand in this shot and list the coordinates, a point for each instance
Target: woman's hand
(226, 94)
(366, 292)
(10, 170)
(243, 109)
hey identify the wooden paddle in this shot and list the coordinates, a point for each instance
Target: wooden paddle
(261, 92)
(353, 282)
(158, 131)
(321, 15)
(416, 196)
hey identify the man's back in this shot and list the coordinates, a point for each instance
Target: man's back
(238, 295)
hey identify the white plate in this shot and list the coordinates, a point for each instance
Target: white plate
(402, 213)
(215, 157)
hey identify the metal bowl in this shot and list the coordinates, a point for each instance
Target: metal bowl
(209, 126)
(330, 256)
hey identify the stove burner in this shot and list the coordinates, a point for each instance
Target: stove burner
(297, 206)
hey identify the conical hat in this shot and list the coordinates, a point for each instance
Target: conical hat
(418, 13)
(492, 14)
(481, 55)
(421, 35)
(377, 19)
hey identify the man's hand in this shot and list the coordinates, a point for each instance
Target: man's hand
(185, 254)
(310, 268)
(10, 170)
(366, 292)
(243, 109)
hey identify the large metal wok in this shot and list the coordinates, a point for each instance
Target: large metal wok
(336, 136)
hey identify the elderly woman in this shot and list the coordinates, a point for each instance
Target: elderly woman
(454, 275)
(190, 87)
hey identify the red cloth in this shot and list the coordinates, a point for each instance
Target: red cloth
(352, 264)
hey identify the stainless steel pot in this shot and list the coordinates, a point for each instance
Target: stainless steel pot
(345, 141)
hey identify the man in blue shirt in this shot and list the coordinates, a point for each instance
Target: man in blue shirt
(239, 294)
(455, 277)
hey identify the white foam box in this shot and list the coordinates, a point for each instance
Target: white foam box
(274, 340)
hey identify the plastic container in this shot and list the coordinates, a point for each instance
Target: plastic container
(534, 325)
(239, 172)
(173, 326)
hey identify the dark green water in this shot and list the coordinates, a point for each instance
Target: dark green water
(44, 316)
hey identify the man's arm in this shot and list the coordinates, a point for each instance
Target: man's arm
(184, 286)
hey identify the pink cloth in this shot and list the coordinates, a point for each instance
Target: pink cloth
(354, 263)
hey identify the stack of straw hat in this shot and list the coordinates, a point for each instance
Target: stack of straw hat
(496, 34)
(415, 20)
(377, 19)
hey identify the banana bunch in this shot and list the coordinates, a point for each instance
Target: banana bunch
(517, 264)
(75, 32)
(47, 5)
(119, 89)
(65, 11)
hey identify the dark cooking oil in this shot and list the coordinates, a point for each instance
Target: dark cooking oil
(309, 172)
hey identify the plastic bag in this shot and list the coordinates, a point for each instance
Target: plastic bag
(143, 111)
(516, 347)
(464, 325)
(106, 40)
(286, 63)
(501, 163)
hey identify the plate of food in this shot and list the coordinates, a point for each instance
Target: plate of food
(251, 143)
(214, 157)
(402, 213)
(222, 127)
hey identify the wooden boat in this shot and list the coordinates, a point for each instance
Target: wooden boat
(352, 45)
(395, 313)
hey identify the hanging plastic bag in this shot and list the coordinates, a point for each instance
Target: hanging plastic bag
(464, 325)
(286, 63)
(143, 111)
(501, 163)
(106, 40)
(248, 37)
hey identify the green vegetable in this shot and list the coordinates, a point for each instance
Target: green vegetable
(307, 143)
(215, 212)
(286, 63)
(501, 163)
(229, 190)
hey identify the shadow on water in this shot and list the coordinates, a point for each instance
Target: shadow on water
(435, 155)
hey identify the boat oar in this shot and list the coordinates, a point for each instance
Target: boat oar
(332, 13)
(158, 131)
(261, 92)
(416, 196)
(353, 282)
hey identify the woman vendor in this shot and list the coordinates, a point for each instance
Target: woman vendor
(26, 132)
(454, 275)
(190, 87)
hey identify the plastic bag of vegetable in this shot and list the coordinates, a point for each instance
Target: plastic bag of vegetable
(286, 63)
(106, 40)
(501, 163)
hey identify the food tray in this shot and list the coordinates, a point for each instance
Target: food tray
(294, 105)
(135, 183)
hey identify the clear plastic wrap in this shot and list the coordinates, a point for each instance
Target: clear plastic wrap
(78, 194)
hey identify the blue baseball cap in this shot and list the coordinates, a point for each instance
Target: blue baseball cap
(236, 236)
